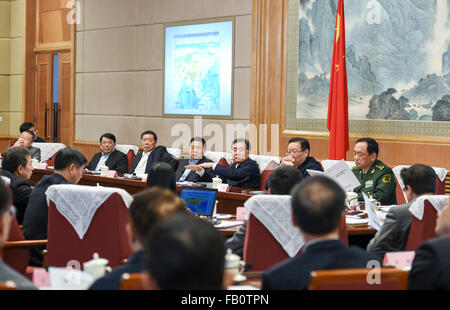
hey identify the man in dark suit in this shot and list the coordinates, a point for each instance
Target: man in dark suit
(17, 167)
(69, 165)
(148, 208)
(27, 126)
(392, 237)
(298, 155)
(109, 156)
(151, 154)
(244, 172)
(318, 204)
(431, 266)
(197, 151)
(26, 140)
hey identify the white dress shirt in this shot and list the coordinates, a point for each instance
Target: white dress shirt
(140, 168)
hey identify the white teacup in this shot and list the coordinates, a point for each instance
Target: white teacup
(352, 199)
(216, 182)
(34, 162)
(234, 264)
(96, 267)
(104, 170)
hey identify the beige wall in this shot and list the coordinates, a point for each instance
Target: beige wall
(119, 66)
(12, 21)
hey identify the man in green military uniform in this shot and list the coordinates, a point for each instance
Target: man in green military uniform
(377, 180)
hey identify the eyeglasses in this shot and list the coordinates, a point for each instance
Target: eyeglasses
(293, 152)
(24, 138)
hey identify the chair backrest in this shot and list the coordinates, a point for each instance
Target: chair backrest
(422, 230)
(16, 258)
(222, 158)
(106, 235)
(357, 279)
(131, 281)
(266, 173)
(175, 152)
(129, 150)
(48, 151)
(261, 249)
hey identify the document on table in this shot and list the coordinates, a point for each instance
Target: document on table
(374, 221)
(228, 224)
(341, 174)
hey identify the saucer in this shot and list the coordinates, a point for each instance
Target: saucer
(240, 278)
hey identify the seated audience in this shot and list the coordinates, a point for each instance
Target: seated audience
(17, 167)
(162, 175)
(28, 126)
(297, 155)
(109, 156)
(392, 237)
(25, 140)
(151, 154)
(148, 208)
(281, 181)
(185, 253)
(318, 204)
(431, 266)
(244, 172)
(196, 151)
(377, 180)
(69, 165)
(6, 215)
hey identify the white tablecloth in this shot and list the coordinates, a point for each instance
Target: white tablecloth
(78, 203)
(124, 148)
(274, 212)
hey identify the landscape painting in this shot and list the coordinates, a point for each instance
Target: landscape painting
(398, 59)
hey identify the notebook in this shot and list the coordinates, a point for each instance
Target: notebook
(200, 201)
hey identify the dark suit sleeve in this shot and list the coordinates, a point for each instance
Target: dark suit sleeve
(266, 285)
(424, 270)
(22, 194)
(121, 163)
(247, 170)
(135, 162)
(236, 242)
(168, 158)
(93, 163)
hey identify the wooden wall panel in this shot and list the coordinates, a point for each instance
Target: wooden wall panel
(87, 148)
(64, 84)
(269, 89)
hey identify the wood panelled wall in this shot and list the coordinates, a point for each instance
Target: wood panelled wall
(269, 52)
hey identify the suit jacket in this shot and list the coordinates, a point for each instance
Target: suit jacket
(35, 153)
(193, 176)
(245, 175)
(294, 273)
(117, 161)
(36, 215)
(111, 281)
(9, 274)
(21, 190)
(157, 155)
(310, 163)
(431, 269)
(393, 235)
(236, 242)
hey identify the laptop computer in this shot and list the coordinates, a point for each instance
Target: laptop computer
(201, 201)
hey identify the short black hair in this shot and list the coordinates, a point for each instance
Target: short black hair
(372, 145)
(15, 157)
(304, 143)
(33, 136)
(150, 132)
(26, 126)
(67, 156)
(185, 253)
(108, 136)
(5, 197)
(150, 206)
(283, 179)
(161, 174)
(199, 139)
(317, 204)
(421, 178)
(247, 143)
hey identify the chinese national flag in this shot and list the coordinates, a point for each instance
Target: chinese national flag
(337, 122)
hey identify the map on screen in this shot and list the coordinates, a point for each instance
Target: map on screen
(198, 69)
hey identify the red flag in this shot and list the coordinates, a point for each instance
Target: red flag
(337, 121)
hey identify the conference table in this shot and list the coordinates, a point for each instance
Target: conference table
(227, 201)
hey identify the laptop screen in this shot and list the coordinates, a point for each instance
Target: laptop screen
(199, 201)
